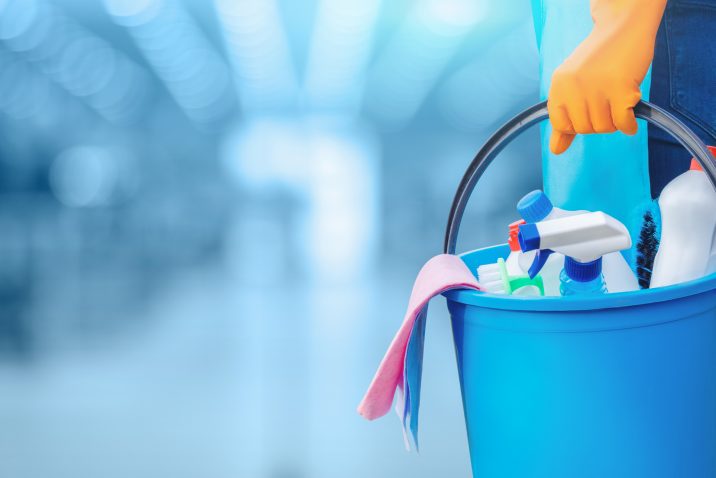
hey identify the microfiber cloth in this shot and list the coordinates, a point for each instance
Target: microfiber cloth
(401, 368)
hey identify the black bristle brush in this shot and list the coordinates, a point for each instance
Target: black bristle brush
(646, 250)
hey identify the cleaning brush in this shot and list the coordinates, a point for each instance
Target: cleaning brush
(492, 278)
(495, 279)
(646, 250)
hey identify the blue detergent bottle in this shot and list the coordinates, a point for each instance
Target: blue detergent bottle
(583, 239)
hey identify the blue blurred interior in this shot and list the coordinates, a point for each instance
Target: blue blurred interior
(211, 214)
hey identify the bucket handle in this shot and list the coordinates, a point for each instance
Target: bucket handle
(644, 110)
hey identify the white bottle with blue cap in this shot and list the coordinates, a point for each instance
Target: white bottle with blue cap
(536, 207)
(583, 239)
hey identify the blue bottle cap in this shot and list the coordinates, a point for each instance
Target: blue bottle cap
(582, 271)
(529, 237)
(534, 206)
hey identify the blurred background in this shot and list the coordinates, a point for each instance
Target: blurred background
(211, 215)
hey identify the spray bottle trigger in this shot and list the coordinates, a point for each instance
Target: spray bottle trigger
(539, 262)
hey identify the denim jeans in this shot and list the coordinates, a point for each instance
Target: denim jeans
(684, 83)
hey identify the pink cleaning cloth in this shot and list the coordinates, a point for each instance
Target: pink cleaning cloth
(441, 273)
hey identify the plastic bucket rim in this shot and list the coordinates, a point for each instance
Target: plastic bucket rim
(577, 303)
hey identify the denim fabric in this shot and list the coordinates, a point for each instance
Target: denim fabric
(684, 83)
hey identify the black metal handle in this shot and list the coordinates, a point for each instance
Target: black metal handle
(644, 110)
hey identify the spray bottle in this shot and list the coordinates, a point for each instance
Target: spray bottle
(537, 207)
(583, 239)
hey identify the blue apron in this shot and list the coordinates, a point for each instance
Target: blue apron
(604, 172)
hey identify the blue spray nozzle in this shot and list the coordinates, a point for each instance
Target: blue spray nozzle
(534, 206)
(529, 237)
(539, 262)
(582, 271)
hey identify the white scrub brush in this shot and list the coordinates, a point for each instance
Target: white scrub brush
(495, 279)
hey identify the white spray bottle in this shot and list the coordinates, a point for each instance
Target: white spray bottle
(583, 239)
(537, 207)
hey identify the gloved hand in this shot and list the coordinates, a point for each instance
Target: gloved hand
(597, 86)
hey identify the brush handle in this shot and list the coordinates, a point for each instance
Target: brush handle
(644, 110)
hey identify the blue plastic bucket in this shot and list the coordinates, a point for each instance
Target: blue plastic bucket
(622, 385)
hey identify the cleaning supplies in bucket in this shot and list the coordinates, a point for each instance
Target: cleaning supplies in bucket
(688, 229)
(537, 207)
(583, 239)
(639, 362)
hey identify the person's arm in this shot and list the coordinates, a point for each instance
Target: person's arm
(597, 86)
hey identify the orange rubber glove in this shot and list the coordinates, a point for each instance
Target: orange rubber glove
(597, 86)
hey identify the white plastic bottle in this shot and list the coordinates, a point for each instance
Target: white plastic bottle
(536, 207)
(687, 248)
